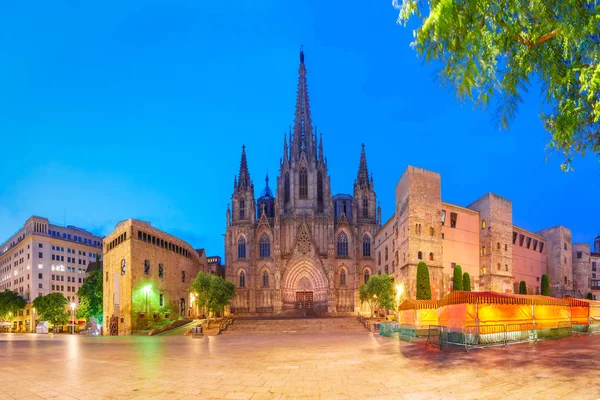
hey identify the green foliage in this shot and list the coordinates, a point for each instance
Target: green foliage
(493, 48)
(522, 287)
(423, 285)
(466, 282)
(10, 303)
(590, 296)
(379, 292)
(458, 278)
(52, 308)
(213, 292)
(91, 295)
(545, 285)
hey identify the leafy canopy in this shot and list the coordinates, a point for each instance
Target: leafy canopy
(212, 292)
(53, 308)
(379, 292)
(10, 302)
(495, 48)
(91, 295)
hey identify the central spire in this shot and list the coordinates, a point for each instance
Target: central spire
(303, 136)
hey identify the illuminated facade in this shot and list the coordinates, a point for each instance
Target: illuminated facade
(43, 258)
(147, 276)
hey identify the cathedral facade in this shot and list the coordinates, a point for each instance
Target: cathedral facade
(301, 247)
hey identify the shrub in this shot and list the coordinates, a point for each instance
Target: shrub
(590, 296)
(522, 287)
(458, 278)
(545, 285)
(423, 284)
(466, 282)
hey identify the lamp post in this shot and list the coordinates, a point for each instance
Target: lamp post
(10, 319)
(72, 318)
(146, 290)
(33, 320)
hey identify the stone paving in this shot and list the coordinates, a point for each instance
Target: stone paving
(325, 366)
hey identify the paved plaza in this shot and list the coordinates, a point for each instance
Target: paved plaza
(325, 366)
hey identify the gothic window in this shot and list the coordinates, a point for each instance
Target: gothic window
(541, 246)
(386, 270)
(499, 267)
(521, 238)
(386, 253)
(514, 237)
(242, 209)
(420, 255)
(303, 179)
(147, 267)
(344, 207)
(320, 189)
(565, 249)
(430, 256)
(342, 244)
(528, 242)
(343, 278)
(242, 279)
(483, 224)
(366, 208)
(443, 217)
(379, 258)
(265, 246)
(265, 279)
(431, 232)
(160, 271)
(366, 246)
(366, 276)
(453, 217)
(242, 247)
(286, 187)
(182, 276)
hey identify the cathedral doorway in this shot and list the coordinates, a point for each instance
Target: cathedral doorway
(304, 300)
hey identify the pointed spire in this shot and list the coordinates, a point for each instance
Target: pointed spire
(321, 147)
(267, 191)
(244, 182)
(362, 179)
(285, 150)
(303, 138)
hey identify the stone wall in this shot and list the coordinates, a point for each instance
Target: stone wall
(560, 259)
(581, 268)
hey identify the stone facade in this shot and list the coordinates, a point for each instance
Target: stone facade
(581, 268)
(147, 276)
(301, 247)
(559, 259)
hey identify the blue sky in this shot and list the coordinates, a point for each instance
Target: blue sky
(111, 110)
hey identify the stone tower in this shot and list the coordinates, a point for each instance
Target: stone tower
(581, 268)
(560, 259)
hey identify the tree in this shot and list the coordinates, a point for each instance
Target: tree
(590, 296)
(379, 292)
(91, 295)
(53, 308)
(423, 285)
(458, 278)
(213, 293)
(522, 287)
(466, 282)
(493, 48)
(545, 285)
(10, 303)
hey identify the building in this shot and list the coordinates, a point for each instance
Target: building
(215, 267)
(482, 239)
(42, 258)
(302, 246)
(147, 277)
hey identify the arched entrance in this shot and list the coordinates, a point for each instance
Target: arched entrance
(304, 285)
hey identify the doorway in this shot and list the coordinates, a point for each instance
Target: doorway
(304, 300)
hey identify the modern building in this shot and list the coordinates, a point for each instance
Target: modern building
(42, 258)
(147, 277)
(302, 246)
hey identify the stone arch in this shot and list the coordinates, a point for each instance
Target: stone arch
(303, 272)
(342, 276)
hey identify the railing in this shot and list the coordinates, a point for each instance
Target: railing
(365, 322)
(437, 336)
(224, 325)
(519, 333)
(484, 336)
(234, 310)
(264, 309)
(407, 332)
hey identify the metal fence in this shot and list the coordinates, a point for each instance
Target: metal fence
(365, 322)
(484, 336)
(519, 333)
(437, 336)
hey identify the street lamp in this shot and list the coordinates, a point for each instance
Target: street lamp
(33, 320)
(73, 318)
(10, 318)
(146, 290)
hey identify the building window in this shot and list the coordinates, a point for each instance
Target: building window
(343, 278)
(265, 279)
(342, 244)
(483, 270)
(366, 276)
(418, 229)
(453, 217)
(320, 190)
(443, 217)
(40, 255)
(161, 300)
(593, 265)
(528, 242)
(541, 246)
(565, 278)
(452, 265)
(265, 246)
(535, 243)
(379, 258)
(386, 253)
(366, 246)
(303, 180)
(430, 256)
(521, 238)
(420, 255)
(182, 276)
(506, 267)
(483, 251)
(242, 209)
(483, 224)
(499, 267)
(147, 267)
(242, 247)
(160, 271)
(498, 245)
(385, 270)
(286, 187)
(242, 279)
(580, 254)
(365, 207)
(565, 246)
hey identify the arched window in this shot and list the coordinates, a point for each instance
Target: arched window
(386, 253)
(265, 279)
(343, 277)
(365, 207)
(386, 270)
(379, 258)
(483, 224)
(431, 232)
(303, 179)
(320, 190)
(430, 256)
(366, 276)
(242, 279)
(483, 251)
(420, 255)
(265, 246)
(506, 267)
(366, 246)
(498, 245)
(483, 270)
(286, 187)
(342, 244)
(242, 247)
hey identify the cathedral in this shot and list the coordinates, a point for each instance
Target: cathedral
(302, 247)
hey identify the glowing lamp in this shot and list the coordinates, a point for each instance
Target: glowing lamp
(72, 306)
(147, 288)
